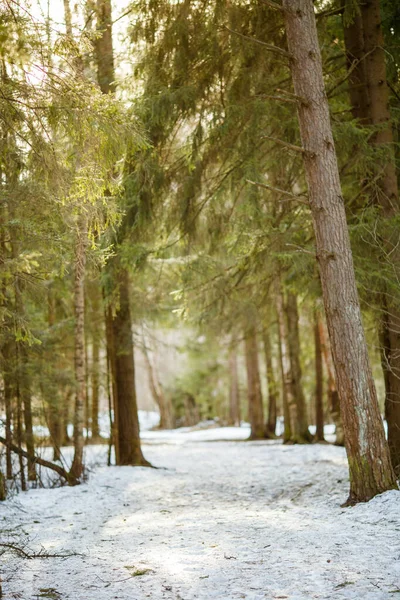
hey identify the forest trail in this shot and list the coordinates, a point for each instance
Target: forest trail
(222, 520)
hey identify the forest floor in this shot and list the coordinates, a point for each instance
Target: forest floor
(221, 519)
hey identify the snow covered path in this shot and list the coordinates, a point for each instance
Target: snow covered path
(224, 520)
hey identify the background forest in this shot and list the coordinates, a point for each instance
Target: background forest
(157, 243)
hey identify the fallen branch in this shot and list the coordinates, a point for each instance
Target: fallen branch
(41, 461)
(40, 554)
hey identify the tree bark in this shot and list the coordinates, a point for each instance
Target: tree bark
(371, 107)
(270, 426)
(80, 363)
(319, 383)
(256, 411)
(127, 420)
(284, 359)
(370, 469)
(97, 319)
(333, 395)
(128, 449)
(234, 392)
(95, 386)
(300, 433)
(3, 496)
(7, 351)
(26, 399)
(113, 393)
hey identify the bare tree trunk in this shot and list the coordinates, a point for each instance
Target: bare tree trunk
(167, 420)
(285, 367)
(319, 383)
(256, 411)
(80, 365)
(8, 401)
(95, 387)
(127, 420)
(333, 395)
(3, 496)
(113, 393)
(26, 399)
(66, 411)
(97, 318)
(270, 426)
(300, 424)
(19, 425)
(87, 411)
(292, 430)
(367, 451)
(234, 393)
(192, 415)
(355, 55)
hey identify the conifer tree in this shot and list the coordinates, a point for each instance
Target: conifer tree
(369, 463)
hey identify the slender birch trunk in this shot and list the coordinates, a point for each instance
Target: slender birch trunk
(370, 469)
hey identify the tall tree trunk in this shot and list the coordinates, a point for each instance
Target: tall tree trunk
(370, 469)
(164, 403)
(18, 428)
(234, 392)
(97, 319)
(286, 375)
(128, 449)
(7, 369)
(370, 105)
(80, 364)
(26, 399)
(319, 383)
(355, 51)
(3, 496)
(333, 395)
(55, 410)
(270, 426)
(112, 371)
(95, 386)
(256, 411)
(300, 425)
(292, 430)
(127, 419)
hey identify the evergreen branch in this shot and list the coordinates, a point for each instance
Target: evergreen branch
(330, 12)
(273, 5)
(350, 70)
(279, 98)
(269, 47)
(294, 96)
(279, 191)
(285, 144)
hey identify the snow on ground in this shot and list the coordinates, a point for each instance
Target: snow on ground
(221, 519)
